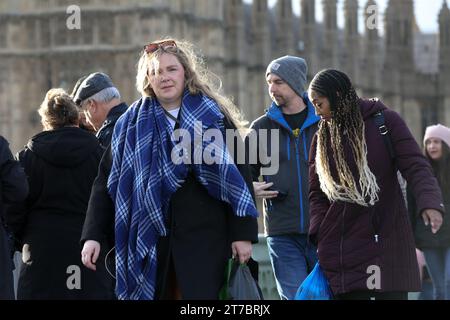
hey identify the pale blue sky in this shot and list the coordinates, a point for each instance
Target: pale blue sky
(426, 12)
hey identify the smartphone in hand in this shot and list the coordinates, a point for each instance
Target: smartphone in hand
(281, 194)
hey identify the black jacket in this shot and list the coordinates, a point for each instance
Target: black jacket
(423, 236)
(61, 166)
(104, 134)
(201, 230)
(13, 188)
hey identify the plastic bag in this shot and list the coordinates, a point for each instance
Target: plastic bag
(239, 282)
(315, 286)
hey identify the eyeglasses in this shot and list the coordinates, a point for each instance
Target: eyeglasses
(152, 47)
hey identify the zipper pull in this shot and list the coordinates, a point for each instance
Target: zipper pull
(376, 238)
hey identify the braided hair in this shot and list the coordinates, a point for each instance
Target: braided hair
(346, 126)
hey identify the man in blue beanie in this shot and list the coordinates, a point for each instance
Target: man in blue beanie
(285, 193)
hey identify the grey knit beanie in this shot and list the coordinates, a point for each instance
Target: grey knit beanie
(291, 69)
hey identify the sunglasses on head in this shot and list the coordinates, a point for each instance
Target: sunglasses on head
(152, 47)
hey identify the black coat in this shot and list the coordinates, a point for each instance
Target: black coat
(104, 134)
(61, 166)
(13, 188)
(201, 230)
(423, 236)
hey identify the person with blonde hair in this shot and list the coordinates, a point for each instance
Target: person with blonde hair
(358, 214)
(61, 163)
(176, 222)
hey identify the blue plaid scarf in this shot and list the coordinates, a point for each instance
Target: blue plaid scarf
(143, 178)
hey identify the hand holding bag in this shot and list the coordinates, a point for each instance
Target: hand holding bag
(315, 286)
(239, 283)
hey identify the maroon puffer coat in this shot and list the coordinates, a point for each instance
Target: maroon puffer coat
(352, 238)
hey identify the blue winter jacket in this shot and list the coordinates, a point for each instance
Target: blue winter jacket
(288, 214)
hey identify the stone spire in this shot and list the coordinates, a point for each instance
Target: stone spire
(235, 30)
(258, 58)
(235, 70)
(329, 55)
(351, 18)
(261, 33)
(210, 31)
(444, 60)
(308, 40)
(371, 50)
(371, 15)
(399, 31)
(351, 38)
(400, 78)
(284, 28)
(444, 38)
(308, 8)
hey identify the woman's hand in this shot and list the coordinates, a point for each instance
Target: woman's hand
(242, 250)
(90, 253)
(433, 217)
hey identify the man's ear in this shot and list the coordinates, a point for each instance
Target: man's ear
(93, 106)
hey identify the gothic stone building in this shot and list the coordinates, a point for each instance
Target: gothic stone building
(409, 70)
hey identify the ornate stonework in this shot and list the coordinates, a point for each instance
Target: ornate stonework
(408, 70)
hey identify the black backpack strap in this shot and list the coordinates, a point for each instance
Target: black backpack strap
(384, 131)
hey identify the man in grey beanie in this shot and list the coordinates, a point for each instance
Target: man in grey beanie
(293, 70)
(285, 194)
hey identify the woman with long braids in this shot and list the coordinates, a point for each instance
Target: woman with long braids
(358, 215)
